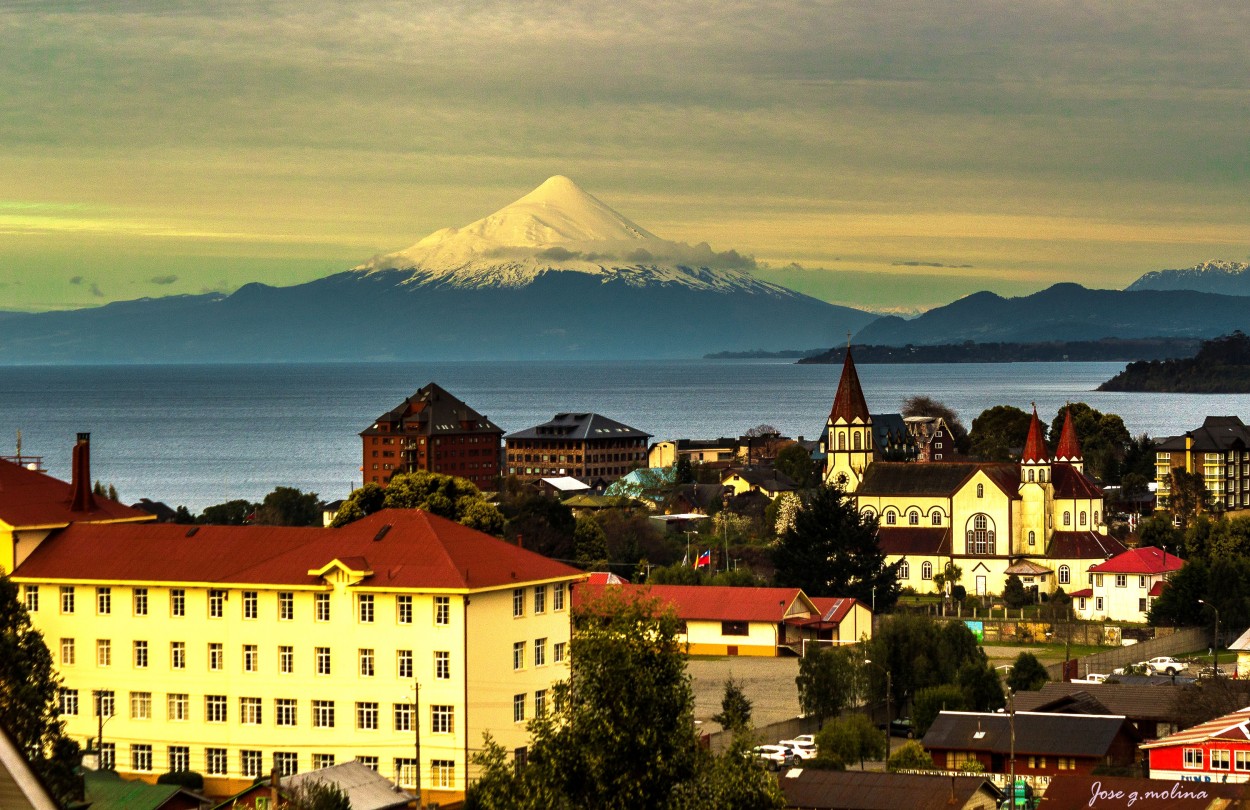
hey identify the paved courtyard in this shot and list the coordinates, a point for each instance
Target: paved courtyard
(767, 682)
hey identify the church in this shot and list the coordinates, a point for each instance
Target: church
(1041, 518)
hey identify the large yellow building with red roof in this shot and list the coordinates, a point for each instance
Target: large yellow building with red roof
(234, 650)
(1040, 519)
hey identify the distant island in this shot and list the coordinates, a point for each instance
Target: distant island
(1221, 366)
(1081, 351)
(762, 354)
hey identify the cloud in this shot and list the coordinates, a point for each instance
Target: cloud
(76, 280)
(914, 263)
(96, 291)
(163, 280)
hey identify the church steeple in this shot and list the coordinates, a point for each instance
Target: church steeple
(848, 403)
(1035, 460)
(849, 443)
(1069, 448)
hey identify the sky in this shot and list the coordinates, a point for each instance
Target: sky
(887, 154)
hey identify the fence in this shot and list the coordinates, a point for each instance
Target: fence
(1190, 638)
(771, 733)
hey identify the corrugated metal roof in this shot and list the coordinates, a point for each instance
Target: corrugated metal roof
(1078, 735)
(580, 426)
(1235, 726)
(923, 542)
(365, 788)
(1143, 560)
(1134, 701)
(714, 602)
(1083, 546)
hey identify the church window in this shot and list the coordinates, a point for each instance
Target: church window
(980, 537)
(1065, 575)
(913, 518)
(937, 518)
(1032, 538)
(1095, 517)
(868, 513)
(904, 570)
(1083, 516)
(980, 490)
(855, 440)
(1041, 475)
(1067, 518)
(890, 517)
(926, 570)
(1030, 476)
(841, 441)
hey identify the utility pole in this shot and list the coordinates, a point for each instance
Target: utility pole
(1215, 641)
(1011, 721)
(416, 728)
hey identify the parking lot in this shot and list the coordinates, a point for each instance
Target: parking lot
(767, 682)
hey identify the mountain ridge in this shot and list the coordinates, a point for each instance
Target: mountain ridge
(1214, 276)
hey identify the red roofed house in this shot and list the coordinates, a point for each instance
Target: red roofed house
(33, 503)
(726, 620)
(1123, 588)
(237, 650)
(1215, 751)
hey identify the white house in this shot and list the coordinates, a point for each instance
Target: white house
(1124, 587)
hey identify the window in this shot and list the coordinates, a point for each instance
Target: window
(251, 658)
(366, 663)
(141, 757)
(1241, 760)
(1219, 759)
(1065, 575)
(69, 702)
(405, 771)
(177, 602)
(442, 665)
(367, 716)
(284, 711)
(1098, 603)
(1141, 581)
(32, 598)
(403, 609)
(1083, 515)
(286, 763)
(322, 761)
(216, 603)
(518, 708)
(890, 517)
(215, 761)
(540, 652)
(557, 597)
(1081, 603)
(139, 601)
(1121, 580)
(557, 651)
(178, 655)
(980, 490)
(734, 629)
(403, 717)
(67, 598)
(176, 706)
(104, 601)
(904, 570)
(369, 762)
(322, 656)
(141, 655)
(540, 702)
(442, 773)
(1067, 518)
(321, 603)
(179, 758)
(140, 705)
(540, 599)
(323, 713)
(926, 570)
(250, 606)
(442, 719)
(403, 663)
(913, 518)
(108, 756)
(979, 539)
(364, 608)
(1032, 538)
(215, 708)
(216, 656)
(250, 711)
(1098, 580)
(103, 652)
(1141, 605)
(1193, 758)
(1095, 517)
(518, 655)
(442, 610)
(104, 704)
(68, 654)
(286, 606)
(518, 602)
(250, 763)
(1030, 476)
(937, 518)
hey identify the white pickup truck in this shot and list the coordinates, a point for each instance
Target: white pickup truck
(1164, 665)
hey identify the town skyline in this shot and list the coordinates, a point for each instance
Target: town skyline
(188, 150)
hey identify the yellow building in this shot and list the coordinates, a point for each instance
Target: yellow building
(1040, 519)
(233, 650)
(1219, 451)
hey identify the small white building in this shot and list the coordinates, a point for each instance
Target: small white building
(1124, 587)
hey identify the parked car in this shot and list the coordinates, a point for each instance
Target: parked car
(901, 727)
(809, 739)
(1093, 677)
(1164, 665)
(775, 757)
(801, 749)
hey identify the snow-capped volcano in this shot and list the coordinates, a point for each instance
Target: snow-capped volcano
(559, 227)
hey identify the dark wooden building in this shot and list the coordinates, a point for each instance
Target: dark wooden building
(582, 445)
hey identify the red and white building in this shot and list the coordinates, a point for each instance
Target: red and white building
(1215, 751)
(1124, 587)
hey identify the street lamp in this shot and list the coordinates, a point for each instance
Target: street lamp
(888, 718)
(1215, 640)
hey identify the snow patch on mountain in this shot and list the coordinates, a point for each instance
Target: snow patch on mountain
(1216, 276)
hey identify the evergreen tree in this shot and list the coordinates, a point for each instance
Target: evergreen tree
(591, 543)
(1013, 592)
(832, 550)
(1027, 674)
(735, 708)
(795, 462)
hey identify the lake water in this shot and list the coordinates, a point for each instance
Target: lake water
(200, 435)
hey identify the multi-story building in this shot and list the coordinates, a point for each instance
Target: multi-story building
(1219, 451)
(932, 436)
(586, 446)
(234, 650)
(1214, 751)
(1123, 588)
(433, 431)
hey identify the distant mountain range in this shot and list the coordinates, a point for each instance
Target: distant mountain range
(1221, 277)
(556, 274)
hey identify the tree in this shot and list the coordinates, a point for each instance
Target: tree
(1103, 438)
(1159, 531)
(919, 652)
(591, 543)
(540, 523)
(829, 680)
(950, 573)
(979, 681)
(795, 462)
(443, 495)
(832, 550)
(932, 700)
(735, 708)
(999, 433)
(29, 689)
(910, 756)
(287, 506)
(683, 470)
(921, 405)
(1013, 592)
(1027, 674)
(100, 489)
(230, 513)
(851, 738)
(1189, 495)
(1207, 700)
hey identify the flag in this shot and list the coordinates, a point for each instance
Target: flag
(704, 559)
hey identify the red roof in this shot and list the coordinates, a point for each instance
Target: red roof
(833, 608)
(1086, 592)
(1072, 484)
(1157, 588)
(1083, 546)
(1069, 448)
(848, 403)
(1144, 560)
(1235, 726)
(709, 602)
(1034, 445)
(404, 548)
(29, 498)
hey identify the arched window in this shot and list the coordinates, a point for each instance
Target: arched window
(855, 439)
(841, 441)
(1041, 475)
(979, 537)
(937, 518)
(1095, 517)
(868, 513)
(1067, 518)
(1030, 476)
(1083, 516)
(926, 570)
(980, 490)
(913, 518)
(904, 570)
(1065, 575)
(890, 517)
(1032, 538)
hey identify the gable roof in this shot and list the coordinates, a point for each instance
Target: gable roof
(921, 541)
(1083, 546)
(29, 498)
(431, 411)
(1143, 560)
(867, 790)
(1076, 735)
(848, 402)
(105, 790)
(833, 608)
(1216, 433)
(403, 548)
(1235, 726)
(1072, 484)
(366, 789)
(935, 479)
(580, 426)
(762, 477)
(714, 602)
(1134, 701)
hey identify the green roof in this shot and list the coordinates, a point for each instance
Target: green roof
(105, 790)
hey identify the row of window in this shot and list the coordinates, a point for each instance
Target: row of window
(1219, 759)
(518, 705)
(1143, 604)
(540, 653)
(540, 599)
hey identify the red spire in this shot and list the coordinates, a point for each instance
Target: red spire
(1034, 446)
(1069, 448)
(849, 402)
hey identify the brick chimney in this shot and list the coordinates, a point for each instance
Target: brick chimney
(80, 485)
